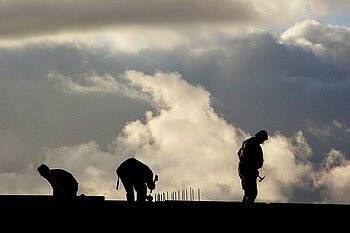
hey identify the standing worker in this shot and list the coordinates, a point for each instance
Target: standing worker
(250, 161)
(136, 176)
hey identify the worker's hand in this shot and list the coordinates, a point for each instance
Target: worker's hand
(151, 186)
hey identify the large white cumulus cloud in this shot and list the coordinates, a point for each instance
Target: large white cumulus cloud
(184, 140)
(189, 146)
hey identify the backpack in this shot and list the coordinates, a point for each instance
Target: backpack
(240, 152)
(247, 159)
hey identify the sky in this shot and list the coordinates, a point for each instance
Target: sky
(178, 84)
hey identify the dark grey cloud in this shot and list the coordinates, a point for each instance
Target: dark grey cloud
(36, 115)
(259, 82)
(281, 87)
(21, 18)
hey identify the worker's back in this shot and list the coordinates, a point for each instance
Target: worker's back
(134, 169)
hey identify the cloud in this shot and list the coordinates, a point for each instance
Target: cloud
(329, 131)
(326, 6)
(333, 178)
(287, 167)
(329, 40)
(22, 18)
(283, 13)
(189, 146)
(184, 140)
(24, 182)
(189, 103)
(208, 152)
(93, 168)
(96, 84)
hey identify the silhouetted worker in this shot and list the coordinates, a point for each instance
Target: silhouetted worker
(63, 183)
(136, 176)
(250, 161)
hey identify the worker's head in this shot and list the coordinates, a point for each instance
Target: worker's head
(262, 135)
(43, 170)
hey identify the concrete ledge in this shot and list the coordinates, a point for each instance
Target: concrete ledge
(98, 212)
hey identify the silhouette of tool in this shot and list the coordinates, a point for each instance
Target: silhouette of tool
(261, 178)
(155, 180)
